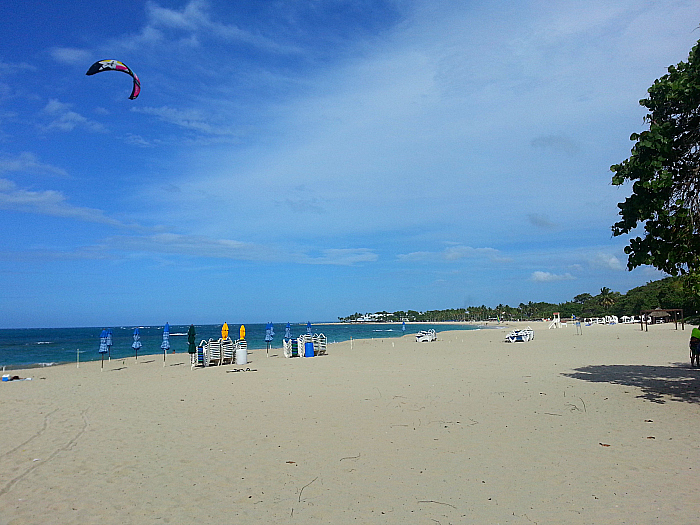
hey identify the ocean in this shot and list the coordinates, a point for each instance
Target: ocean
(33, 347)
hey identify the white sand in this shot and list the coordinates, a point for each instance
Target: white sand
(468, 429)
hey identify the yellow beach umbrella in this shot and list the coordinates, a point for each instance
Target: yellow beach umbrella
(224, 331)
(242, 332)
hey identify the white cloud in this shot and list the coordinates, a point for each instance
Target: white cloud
(71, 55)
(48, 202)
(65, 119)
(607, 262)
(454, 253)
(193, 120)
(547, 277)
(28, 162)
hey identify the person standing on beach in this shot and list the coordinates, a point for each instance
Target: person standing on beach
(695, 347)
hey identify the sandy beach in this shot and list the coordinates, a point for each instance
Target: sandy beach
(594, 428)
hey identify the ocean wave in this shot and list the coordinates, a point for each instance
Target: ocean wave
(44, 342)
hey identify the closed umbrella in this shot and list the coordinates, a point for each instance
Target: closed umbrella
(109, 343)
(288, 331)
(242, 332)
(103, 346)
(308, 328)
(137, 342)
(224, 331)
(269, 334)
(165, 345)
(191, 347)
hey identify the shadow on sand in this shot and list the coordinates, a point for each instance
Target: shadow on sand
(677, 382)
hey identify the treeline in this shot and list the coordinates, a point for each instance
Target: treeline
(666, 293)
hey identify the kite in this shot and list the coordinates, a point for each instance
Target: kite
(115, 65)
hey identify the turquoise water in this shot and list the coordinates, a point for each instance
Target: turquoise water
(49, 346)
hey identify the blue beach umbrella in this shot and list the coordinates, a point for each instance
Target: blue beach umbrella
(165, 345)
(109, 343)
(137, 342)
(103, 346)
(269, 334)
(308, 327)
(403, 326)
(288, 331)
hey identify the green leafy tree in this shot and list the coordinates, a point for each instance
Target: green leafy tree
(665, 171)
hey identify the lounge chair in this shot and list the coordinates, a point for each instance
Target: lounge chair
(228, 351)
(287, 347)
(426, 336)
(320, 344)
(212, 353)
(520, 336)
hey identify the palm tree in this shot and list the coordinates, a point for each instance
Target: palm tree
(606, 298)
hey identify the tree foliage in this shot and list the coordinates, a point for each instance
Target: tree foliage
(666, 293)
(664, 168)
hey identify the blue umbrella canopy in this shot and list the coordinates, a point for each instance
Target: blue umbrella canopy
(109, 337)
(103, 342)
(137, 340)
(288, 331)
(165, 345)
(269, 332)
(308, 328)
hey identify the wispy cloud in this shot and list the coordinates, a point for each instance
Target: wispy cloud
(606, 261)
(48, 202)
(556, 144)
(454, 253)
(63, 118)
(547, 277)
(541, 221)
(341, 257)
(72, 55)
(28, 162)
(193, 120)
(195, 20)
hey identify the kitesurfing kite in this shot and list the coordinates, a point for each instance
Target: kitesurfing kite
(115, 65)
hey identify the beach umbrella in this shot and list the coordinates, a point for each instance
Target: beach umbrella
(165, 345)
(137, 342)
(224, 331)
(269, 333)
(288, 331)
(191, 347)
(242, 332)
(308, 328)
(109, 343)
(103, 346)
(403, 326)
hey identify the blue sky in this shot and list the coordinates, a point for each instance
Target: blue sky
(304, 160)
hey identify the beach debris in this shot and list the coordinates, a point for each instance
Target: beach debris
(648, 420)
(603, 444)
(651, 437)
(302, 488)
(351, 457)
(437, 502)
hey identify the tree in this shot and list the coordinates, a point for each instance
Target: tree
(665, 170)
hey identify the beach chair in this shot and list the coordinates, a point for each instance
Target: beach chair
(200, 353)
(320, 344)
(228, 351)
(287, 347)
(212, 353)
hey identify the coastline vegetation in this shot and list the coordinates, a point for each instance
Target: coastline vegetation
(665, 293)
